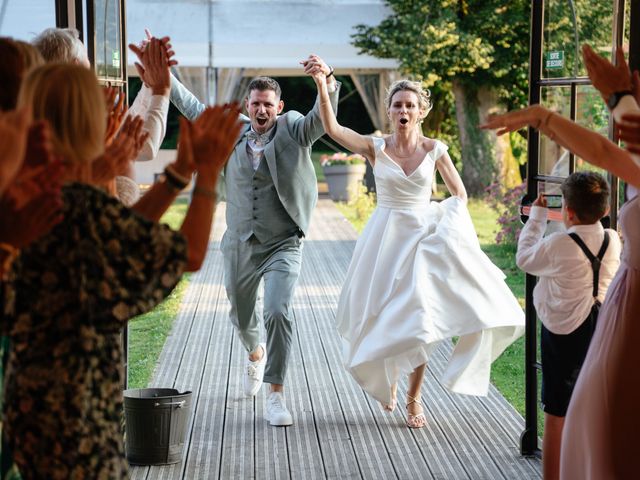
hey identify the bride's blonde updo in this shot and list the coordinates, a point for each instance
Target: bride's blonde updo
(423, 94)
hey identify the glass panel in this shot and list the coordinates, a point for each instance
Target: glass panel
(554, 160)
(592, 113)
(108, 39)
(24, 19)
(568, 25)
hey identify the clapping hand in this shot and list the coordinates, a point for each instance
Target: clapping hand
(41, 171)
(212, 137)
(155, 59)
(14, 127)
(116, 110)
(21, 226)
(605, 76)
(119, 154)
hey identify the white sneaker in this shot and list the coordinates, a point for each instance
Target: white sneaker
(276, 413)
(253, 373)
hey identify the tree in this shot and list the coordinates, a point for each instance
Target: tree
(473, 55)
(477, 49)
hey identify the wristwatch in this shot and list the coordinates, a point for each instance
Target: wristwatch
(615, 98)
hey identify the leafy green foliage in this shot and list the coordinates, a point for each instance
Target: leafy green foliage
(477, 42)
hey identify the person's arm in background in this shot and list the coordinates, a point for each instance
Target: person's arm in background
(534, 255)
(211, 137)
(585, 143)
(155, 62)
(30, 205)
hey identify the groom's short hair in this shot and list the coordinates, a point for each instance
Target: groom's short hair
(264, 83)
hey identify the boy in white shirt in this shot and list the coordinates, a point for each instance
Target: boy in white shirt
(575, 269)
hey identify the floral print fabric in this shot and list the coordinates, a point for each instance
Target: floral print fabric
(74, 290)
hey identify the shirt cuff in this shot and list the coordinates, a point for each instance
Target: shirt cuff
(625, 105)
(538, 213)
(159, 102)
(332, 87)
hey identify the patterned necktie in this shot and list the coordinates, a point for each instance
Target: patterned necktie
(258, 139)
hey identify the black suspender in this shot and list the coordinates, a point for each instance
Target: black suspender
(596, 261)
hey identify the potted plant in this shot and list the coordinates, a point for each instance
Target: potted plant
(343, 171)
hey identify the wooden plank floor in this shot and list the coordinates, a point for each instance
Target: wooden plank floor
(338, 431)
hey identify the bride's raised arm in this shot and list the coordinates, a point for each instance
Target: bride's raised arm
(349, 139)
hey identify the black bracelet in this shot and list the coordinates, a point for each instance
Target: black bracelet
(173, 179)
(330, 73)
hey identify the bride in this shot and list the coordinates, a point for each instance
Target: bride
(417, 275)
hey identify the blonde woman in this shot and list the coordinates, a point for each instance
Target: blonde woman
(417, 275)
(75, 288)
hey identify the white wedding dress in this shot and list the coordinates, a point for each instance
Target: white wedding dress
(418, 276)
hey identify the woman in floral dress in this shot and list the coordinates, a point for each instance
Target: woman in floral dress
(75, 288)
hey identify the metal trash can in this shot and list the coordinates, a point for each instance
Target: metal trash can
(156, 421)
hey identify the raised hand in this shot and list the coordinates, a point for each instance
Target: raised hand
(14, 128)
(605, 76)
(213, 135)
(629, 132)
(155, 58)
(21, 226)
(40, 172)
(116, 110)
(184, 164)
(315, 67)
(534, 116)
(123, 150)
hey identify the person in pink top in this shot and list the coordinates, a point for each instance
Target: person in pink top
(603, 420)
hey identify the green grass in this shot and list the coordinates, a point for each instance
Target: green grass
(148, 332)
(147, 335)
(507, 372)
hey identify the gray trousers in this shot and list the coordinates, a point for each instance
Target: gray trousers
(278, 263)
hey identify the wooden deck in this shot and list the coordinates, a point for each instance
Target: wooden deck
(338, 431)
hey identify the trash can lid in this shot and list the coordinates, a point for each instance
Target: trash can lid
(154, 393)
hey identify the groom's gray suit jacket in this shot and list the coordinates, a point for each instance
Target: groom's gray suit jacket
(288, 164)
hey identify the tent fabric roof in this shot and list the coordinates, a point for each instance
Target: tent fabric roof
(267, 34)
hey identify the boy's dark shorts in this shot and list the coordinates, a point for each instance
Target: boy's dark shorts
(562, 358)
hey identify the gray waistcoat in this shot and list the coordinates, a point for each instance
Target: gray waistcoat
(253, 206)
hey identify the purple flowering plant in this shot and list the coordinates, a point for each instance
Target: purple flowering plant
(506, 201)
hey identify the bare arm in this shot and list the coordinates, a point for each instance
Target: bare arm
(589, 145)
(346, 137)
(451, 176)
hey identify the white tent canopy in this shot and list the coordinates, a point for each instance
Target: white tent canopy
(219, 43)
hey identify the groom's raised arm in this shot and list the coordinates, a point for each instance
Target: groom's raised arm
(185, 101)
(308, 129)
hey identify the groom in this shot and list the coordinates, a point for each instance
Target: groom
(271, 190)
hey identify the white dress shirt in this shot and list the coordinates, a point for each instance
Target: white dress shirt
(153, 109)
(563, 295)
(256, 143)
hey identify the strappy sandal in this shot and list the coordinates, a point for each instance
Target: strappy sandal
(390, 407)
(415, 421)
